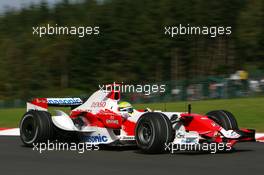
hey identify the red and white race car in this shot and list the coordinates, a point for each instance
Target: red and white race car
(99, 120)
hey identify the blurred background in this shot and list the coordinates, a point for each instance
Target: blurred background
(131, 48)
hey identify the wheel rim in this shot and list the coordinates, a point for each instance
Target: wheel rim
(145, 133)
(28, 129)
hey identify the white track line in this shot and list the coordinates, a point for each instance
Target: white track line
(10, 132)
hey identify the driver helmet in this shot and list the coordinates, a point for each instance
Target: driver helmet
(125, 107)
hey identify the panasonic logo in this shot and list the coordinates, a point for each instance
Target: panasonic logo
(96, 139)
(64, 101)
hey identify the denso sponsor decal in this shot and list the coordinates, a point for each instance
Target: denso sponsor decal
(96, 139)
(64, 101)
(98, 104)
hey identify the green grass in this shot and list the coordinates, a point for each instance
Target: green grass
(248, 111)
(10, 117)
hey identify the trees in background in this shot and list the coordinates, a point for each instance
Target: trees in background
(131, 46)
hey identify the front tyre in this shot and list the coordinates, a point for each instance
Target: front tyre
(153, 130)
(36, 127)
(224, 118)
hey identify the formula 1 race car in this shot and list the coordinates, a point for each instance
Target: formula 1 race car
(99, 120)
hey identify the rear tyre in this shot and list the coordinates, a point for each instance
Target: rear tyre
(36, 127)
(153, 130)
(224, 118)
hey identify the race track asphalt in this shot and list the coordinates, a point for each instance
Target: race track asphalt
(17, 159)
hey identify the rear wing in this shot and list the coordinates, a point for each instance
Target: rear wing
(101, 99)
(42, 104)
